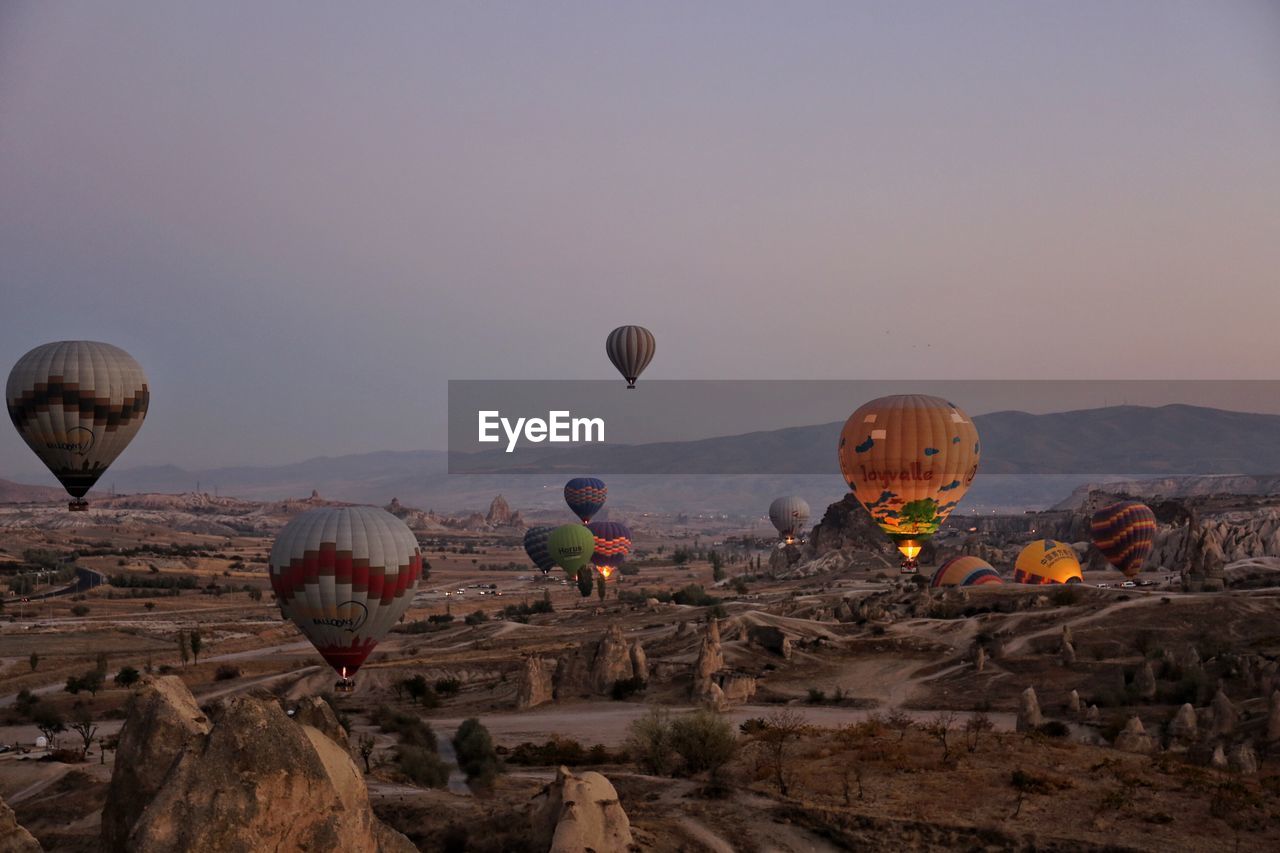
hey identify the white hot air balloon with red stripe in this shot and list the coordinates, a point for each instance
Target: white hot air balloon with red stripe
(345, 576)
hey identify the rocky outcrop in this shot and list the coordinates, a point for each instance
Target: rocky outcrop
(1225, 716)
(1073, 703)
(710, 661)
(1144, 682)
(1134, 738)
(535, 686)
(980, 659)
(162, 722)
(736, 687)
(1243, 760)
(1273, 718)
(255, 780)
(13, 837)
(770, 638)
(579, 813)
(593, 668)
(317, 713)
(1067, 654)
(499, 514)
(1093, 716)
(1185, 727)
(1029, 716)
(846, 526)
(639, 662)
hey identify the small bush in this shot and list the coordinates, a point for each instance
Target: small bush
(649, 741)
(477, 756)
(226, 672)
(625, 688)
(704, 740)
(422, 766)
(80, 610)
(1054, 728)
(448, 686)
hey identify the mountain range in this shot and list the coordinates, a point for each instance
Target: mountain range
(1028, 461)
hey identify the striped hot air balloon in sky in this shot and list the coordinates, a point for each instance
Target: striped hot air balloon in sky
(344, 576)
(789, 515)
(965, 571)
(1047, 561)
(585, 496)
(77, 404)
(613, 544)
(535, 545)
(1125, 533)
(630, 348)
(909, 459)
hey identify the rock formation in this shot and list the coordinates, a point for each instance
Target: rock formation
(1093, 716)
(1073, 703)
(1224, 715)
(578, 813)
(13, 837)
(1184, 729)
(534, 688)
(1219, 759)
(593, 668)
(613, 660)
(846, 525)
(1273, 718)
(317, 713)
(770, 638)
(980, 659)
(499, 514)
(710, 661)
(254, 780)
(639, 662)
(1134, 738)
(1029, 716)
(1243, 760)
(1068, 654)
(1145, 681)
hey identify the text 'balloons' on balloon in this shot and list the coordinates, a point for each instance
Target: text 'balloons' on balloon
(1125, 533)
(585, 496)
(965, 571)
(630, 348)
(789, 515)
(1047, 561)
(571, 546)
(77, 404)
(909, 459)
(345, 576)
(535, 545)
(612, 545)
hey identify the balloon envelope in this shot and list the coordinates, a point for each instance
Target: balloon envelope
(1047, 561)
(535, 545)
(1125, 533)
(613, 545)
(77, 404)
(909, 459)
(585, 496)
(630, 348)
(571, 546)
(344, 576)
(965, 571)
(789, 516)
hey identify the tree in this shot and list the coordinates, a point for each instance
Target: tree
(977, 723)
(649, 741)
(939, 728)
(477, 756)
(150, 605)
(184, 650)
(34, 661)
(80, 610)
(49, 722)
(705, 741)
(255, 594)
(899, 722)
(127, 676)
(366, 749)
(83, 725)
(601, 589)
(780, 729)
(717, 565)
(101, 664)
(196, 644)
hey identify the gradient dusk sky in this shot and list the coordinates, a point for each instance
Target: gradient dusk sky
(304, 218)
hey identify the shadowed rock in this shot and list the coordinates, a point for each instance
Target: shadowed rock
(13, 837)
(1029, 716)
(578, 813)
(534, 688)
(1224, 714)
(1134, 738)
(1243, 760)
(255, 780)
(1184, 729)
(317, 713)
(1145, 681)
(1073, 703)
(1273, 718)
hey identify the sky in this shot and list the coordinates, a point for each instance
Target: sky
(303, 219)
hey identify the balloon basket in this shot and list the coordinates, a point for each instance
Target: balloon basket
(345, 685)
(78, 505)
(909, 567)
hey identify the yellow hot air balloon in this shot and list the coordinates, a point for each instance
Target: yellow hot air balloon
(909, 459)
(1047, 561)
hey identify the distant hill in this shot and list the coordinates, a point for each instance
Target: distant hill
(11, 492)
(1028, 461)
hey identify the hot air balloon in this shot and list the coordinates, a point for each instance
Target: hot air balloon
(789, 515)
(585, 496)
(571, 546)
(344, 576)
(630, 348)
(909, 459)
(1047, 561)
(965, 571)
(535, 545)
(1125, 533)
(77, 404)
(613, 544)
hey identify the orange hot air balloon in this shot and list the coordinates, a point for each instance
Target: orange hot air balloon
(909, 459)
(965, 571)
(1047, 561)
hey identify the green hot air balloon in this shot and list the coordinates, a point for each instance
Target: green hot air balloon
(571, 546)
